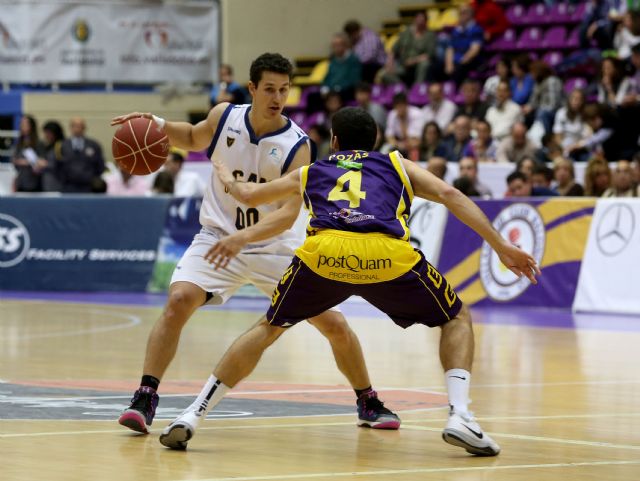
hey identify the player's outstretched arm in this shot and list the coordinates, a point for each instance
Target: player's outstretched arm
(428, 186)
(183, 134)
(269, 226)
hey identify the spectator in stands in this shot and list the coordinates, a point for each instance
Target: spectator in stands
(491, 18)
(597, 26)
(321, 137)
(28, 157)
(363, 100)
(622, 181)
(81, 163)
(465, 44)
(162, 183)
(516, 146)
(633, 96)
(521, 82)
(546, 97)
(628, 35)
(185, 183)
(542, 176)
(332, 103)
(613, 85)
(549, 150)
(519, 185)
(368, 47)
(569, 127)
(483, 148)
(564, 176)
(345, 70)
(609, 138)
(439, 109)
(636, 172)
(468, 168)
(503, 74)
(597, 177)
(431, 142)
(504, 113)
(227, 89)
(464, 185)
(472, 106)
(404, 126)
(526, 165)
(455, 144)
(53, 137)
(122, 183)
(412, 54)
(437, 166)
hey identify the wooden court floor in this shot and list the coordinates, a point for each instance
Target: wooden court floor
(560, 396)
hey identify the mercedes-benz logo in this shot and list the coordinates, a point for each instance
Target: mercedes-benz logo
(615, 229)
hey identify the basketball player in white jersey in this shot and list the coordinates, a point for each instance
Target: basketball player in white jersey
(258, 144)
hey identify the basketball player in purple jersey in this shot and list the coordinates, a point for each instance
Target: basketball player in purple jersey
(257, 143)
(357, 244)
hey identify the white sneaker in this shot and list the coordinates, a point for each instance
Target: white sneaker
(181, 430)
(463, 430)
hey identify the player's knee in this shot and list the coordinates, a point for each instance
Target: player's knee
(333, 326)
(180, 304)
(462, 319)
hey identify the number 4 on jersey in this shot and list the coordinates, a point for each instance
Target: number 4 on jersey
(353, 193)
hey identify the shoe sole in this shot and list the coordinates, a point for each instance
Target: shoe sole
(134, 421)
(391, 425)
(455, 439)
(177, 437)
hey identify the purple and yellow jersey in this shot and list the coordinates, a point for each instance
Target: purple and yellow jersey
(358, 191)
(358, 204)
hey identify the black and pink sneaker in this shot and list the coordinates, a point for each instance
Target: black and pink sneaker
(373, 414)
(139, 416)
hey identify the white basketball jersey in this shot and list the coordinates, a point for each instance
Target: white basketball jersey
(250, 159)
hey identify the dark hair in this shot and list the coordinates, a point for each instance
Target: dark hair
(30, 140)
(269, 62)
(351, 27)
(400, 98)
(363, 87)
(516, 175)
(464, 185)
(544, 170)
(177, 157)
(55, 128)
(354, 128)
(163, 183)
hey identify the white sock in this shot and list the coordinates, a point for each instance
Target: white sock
(458, 381)
(211, 394)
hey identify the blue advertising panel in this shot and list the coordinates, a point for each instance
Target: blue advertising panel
(83, 243)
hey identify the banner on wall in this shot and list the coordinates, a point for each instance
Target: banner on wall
(610, 273)
(109, 41)
(553, 231)
(78, 243)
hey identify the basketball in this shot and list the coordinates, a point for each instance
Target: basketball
(139, 146)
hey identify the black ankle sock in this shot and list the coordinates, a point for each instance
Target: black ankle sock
(150, 381)
(359, 392)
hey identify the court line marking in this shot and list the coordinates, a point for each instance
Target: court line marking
(133, 320)
(423, 471)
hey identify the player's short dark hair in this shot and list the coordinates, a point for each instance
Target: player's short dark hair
(269, 62)
(354, 128)
(517, 175)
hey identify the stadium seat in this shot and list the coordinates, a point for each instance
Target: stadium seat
(390, 91)
(449, 18)
(419, 94)
(577, 12)
(555, 37)
(530, 39)
(299, 117)
(390, 42)
(377, 93)
(560, 13)
(316, 76)
(516, 14)
(574, 83)
(553, 58)
(304, 96)
(573, 40)
(449, 90)
(315, 118)
(295, 95)
(537, 14)
(506, 42)
(433, 14)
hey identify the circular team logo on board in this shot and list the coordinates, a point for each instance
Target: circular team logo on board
(521, 225)
(615, 229)
(80, 30)
(14, 241)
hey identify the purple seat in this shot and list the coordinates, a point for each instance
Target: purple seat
(449, 90)
(315, 118)
(299, 117)
(390, 91)
(553, 58)
(555, 37)
(530, 39)
(506, 42)
(573, 39)
(537, 14)
(304, 96)
(377, 93)
(574, 83)
(516, 15)
(561, 12)
(577, 12)
(419, 94)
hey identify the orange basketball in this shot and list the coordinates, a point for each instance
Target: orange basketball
(139, 146)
